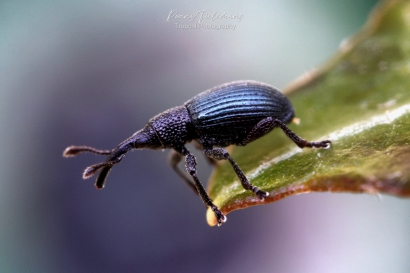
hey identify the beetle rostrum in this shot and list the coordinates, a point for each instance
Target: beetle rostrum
(235, 113)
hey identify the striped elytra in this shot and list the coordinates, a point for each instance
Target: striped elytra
(229, 111)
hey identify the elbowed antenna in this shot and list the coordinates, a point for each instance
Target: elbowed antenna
(144, 138)
(115, 157)
(75, 150)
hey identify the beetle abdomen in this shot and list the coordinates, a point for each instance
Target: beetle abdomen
(232, 110)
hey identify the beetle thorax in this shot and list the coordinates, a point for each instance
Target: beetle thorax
(173, 127)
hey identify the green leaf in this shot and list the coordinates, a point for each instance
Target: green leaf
(360, 100)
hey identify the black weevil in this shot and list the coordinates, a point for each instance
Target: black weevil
(235, 113)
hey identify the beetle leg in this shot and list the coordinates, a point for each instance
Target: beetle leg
(174, 159)
(199, 146)
(190, 165)
(266, 125)
(222, 154)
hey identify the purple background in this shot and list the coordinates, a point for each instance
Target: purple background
(93, 72)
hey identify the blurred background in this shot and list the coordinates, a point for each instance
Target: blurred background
(94, 72)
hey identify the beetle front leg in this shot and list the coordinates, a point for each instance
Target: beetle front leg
(266, 125)
(190, 165)
(222, 154)
(174, 159)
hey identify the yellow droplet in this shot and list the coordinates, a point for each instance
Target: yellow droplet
(210, 218)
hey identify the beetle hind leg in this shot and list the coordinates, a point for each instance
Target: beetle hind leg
(222, 154)
(268, 124)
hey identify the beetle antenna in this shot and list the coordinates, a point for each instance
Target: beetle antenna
(75, 150)
(115, 156)
(141, 139)
(90, 171)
